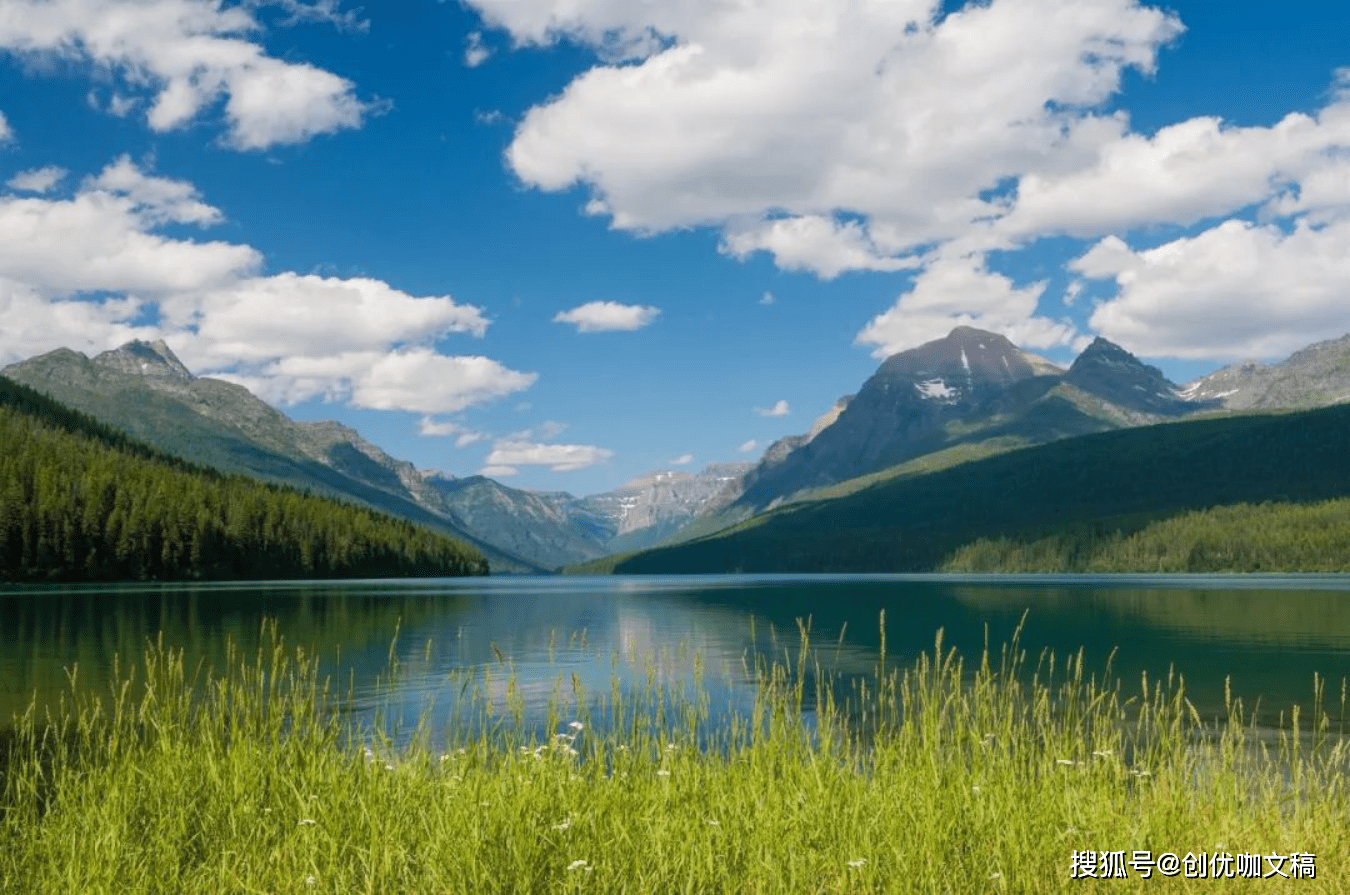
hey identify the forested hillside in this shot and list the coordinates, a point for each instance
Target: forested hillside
(1144, 499)
(81, 501)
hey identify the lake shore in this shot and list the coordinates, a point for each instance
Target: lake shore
(941, 777)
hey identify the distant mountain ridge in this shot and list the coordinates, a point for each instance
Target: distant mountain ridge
(1316, 376)
(144, 389)
(969, 394)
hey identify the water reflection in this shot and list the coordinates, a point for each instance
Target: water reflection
(550, 635)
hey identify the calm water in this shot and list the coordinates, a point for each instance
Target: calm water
(1270, 634)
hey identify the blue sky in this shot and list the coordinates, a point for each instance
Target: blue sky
(566, 243)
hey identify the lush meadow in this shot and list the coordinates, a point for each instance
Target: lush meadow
(943, 777)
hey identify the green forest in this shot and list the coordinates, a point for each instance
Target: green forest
(1261, 492)
(80, 501)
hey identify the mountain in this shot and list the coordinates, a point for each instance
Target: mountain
(1137, 390)
(970, 393)
(81, 501)
(1313, 377)
(1175, 496)
(143, 389)
(652, 507)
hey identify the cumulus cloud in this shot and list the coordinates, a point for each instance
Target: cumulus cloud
(37, 180)
(748, 446)
(767, 298)
(771, 120)
(511, 454)
(1184, 173)
(607, 316)
(92, 271)
(812, 243)
(420, 379)
(780, 408)
(6, 132)
(1236, 290)
(102, 240)
(956, 291)
(683, 460)
(892, 136)
(255, 318)
(187, 55)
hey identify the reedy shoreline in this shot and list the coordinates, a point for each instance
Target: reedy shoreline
(940, 778)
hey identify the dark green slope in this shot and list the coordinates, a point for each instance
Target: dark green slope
(80, 500)
(1093, 486)
(145, 391)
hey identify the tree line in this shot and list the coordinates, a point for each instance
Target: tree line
(1242, 493)
(80, 501)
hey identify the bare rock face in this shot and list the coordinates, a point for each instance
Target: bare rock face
(902, 411)
(1113, 374)
(1316, 376)
(654, 506)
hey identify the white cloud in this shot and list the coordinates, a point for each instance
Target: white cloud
(957, 291)
(557, 457)
(748, 446)
(1182, 174)
(607, 316)
(1236, 290)
(35, 323)
(103, 240)
(187, 55)
(158, 199)
(498, 472)
(433, 428)
(780, 408)
(37, 180)
(6, 132)
(812, 243)
(835, 136)
(475, 52)
(257, 318)
(767, 298)
(92, 271)
(419, 380)
(683, 460)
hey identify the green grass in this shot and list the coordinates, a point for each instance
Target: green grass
(942, 777)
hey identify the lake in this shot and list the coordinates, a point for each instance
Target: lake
(1271, 634)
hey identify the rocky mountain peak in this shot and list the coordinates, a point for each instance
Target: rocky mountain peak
(964, 361)
(1109, 371)
(138, 358)
(1315, 376)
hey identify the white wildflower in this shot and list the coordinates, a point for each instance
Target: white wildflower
(580, 865)
(857, 863)
(1069, 762)
(311, 880)
(714, 823)
(1105, 753)
(996, 875)
(975, 788)
(307, 822)
(663, 773)
(388, 767)
(562, 827)
(577, 725)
